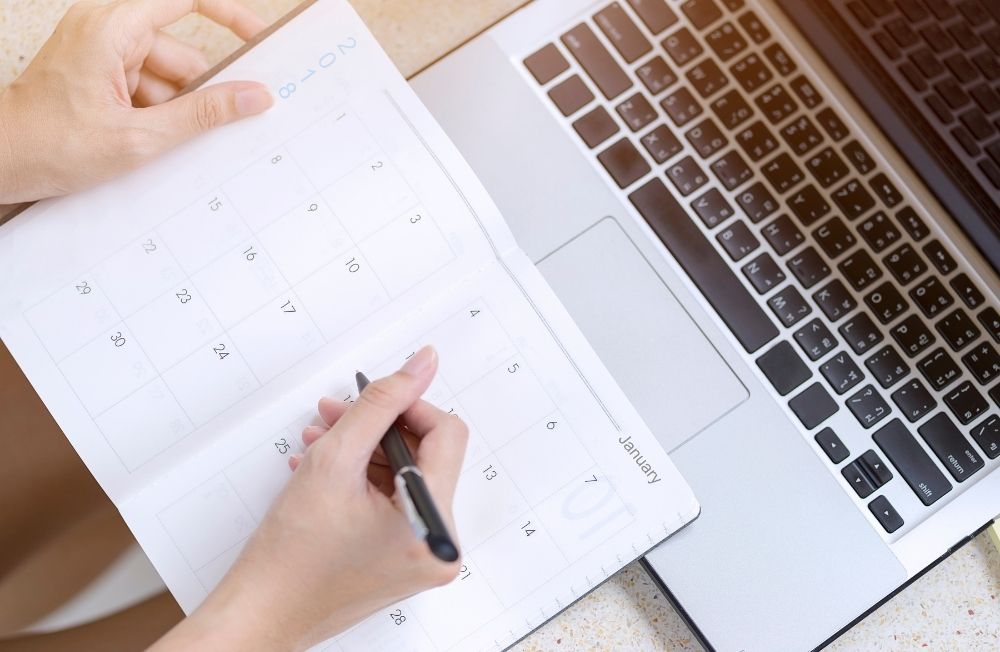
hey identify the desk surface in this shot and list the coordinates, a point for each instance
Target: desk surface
(953, 607)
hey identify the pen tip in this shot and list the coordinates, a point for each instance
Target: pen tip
(361, 379)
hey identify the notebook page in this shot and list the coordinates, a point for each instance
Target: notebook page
(562, 484)
(211, 280)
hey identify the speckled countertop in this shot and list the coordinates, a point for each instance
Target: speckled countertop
(953, 607)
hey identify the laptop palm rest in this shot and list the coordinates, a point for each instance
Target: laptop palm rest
(672, 374)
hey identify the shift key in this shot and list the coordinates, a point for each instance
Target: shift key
(909, 458)
(595, 59)
(951, 447)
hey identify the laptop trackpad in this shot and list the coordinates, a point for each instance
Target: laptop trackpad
(672, 374)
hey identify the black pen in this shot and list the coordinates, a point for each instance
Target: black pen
(417, 502)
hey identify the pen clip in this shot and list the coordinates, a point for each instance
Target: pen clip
(409, 508)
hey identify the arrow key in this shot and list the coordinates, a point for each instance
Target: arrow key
(886, 514)
(858, 480)
(831, 445)
(875, 468)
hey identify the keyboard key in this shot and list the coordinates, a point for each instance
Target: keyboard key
(853, 200)
(737, 240)
(546, 64)
(815, 339)
(782, 235)
(686, 176)
(913, 400)
(758, 33)
(939, 257)
(779, 59)
(961, 68)
(984, 363)
(941, 9)
(973, 12)
(782, 172)
(682, 46)
(862, 14)
(712, 208)
(699, 258)
(992, 172)
(912, 335)
(878, 232)
(952, 93)
(873, 466)
(681, 106)
(885, 191)
(901, 32)
(966, 403)
(706, 78)
(833, 237)
(622, 32)
(958, 330)
(931, 297)
(887, 366)
(830, 444)
(913, 76)
(939, 369)
(595, 127)
(886, 302)
(808, 205)
(624, 163)
(763, 273)
(656, 75)
(809, 267)
(912, 224)
(733, 5)
(757, 141)
(801, 135)
(868, 406)
(887, 45)
(927, 62)
(757, 202)
(783, 367)
(789, 306)
(661, 143)
(832, 124)
(990, 319)
(813, 406)
(701, 13)
(942, 111)
(858, 480)
(977, 123)
(858, 157)
(963, 35)
(706, 138)
(861, 333)
(987, 435)
(636, 112)
(860, 269)
(751, 72)
(912, 9)
(835, 300)
(885, 514)
(571, 95)
(905, 264)
(598, 63)
(841, 372)
(967, 291)
(725, 41)
(731, 109)
(965, 139)
(987, 99)
(879, 8)
(806, 92)
(988, 65)
(909, 458)
(731, 170)
(776, 104)
(654, 13)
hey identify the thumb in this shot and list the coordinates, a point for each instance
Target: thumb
(189, 115)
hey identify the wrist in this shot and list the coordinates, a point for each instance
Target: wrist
(8, 168)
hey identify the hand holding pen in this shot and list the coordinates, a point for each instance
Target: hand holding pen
(335, 532)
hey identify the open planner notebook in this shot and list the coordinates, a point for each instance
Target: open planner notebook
(181, 322)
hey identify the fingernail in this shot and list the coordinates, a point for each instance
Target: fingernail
(420, 362)
(254, 100)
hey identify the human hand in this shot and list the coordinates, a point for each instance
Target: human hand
(99, 99)
(335, 547)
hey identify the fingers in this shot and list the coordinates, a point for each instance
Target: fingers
(442, 448)
(175, 61)
(187, 116)
(330, 410)
(152, 89)
(229, 13)
(380, 404)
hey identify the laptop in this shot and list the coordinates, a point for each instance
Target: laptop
(778, 223)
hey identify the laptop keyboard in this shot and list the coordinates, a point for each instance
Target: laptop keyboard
(794, 233)
(946, 55)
